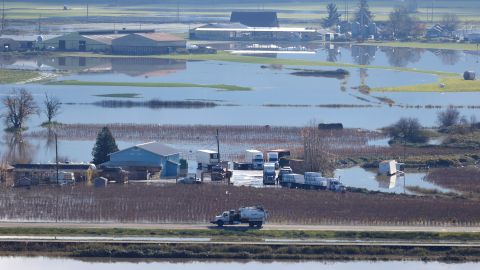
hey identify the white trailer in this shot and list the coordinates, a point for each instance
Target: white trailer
(255, 158)
(312, 180)
(64, 178)
(272, 157)
(292, 180)
(206, 158)
(387, 167)
(254, 216)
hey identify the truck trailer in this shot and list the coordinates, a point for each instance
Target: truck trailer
(206, 159)
(253, 216)
(253, 161)
(312, 180)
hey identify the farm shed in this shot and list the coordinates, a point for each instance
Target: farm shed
(76, 42)
(146, 161)
(9, 44)
(42, 173)
(148, 43)
(255, 18)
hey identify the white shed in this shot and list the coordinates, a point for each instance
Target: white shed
(387, 167)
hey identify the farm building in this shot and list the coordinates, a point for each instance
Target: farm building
(255, 18)
(42, 173)
(148, 43)
(77, 42)
(242, 33)
(21, 43)
(146, 161)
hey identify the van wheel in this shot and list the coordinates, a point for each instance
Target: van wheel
(259, 224)
(220, 223)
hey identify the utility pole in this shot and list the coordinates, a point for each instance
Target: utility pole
(56, 155)
(40, 24)
(3, 16)
(88, 15)
(218, 147)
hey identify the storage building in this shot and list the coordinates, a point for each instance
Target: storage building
(148, 43)
(82, 43)
(146, 161)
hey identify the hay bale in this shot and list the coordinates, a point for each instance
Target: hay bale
(469, 75)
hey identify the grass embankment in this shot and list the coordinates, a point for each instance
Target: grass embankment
(243, 234)
(225, 87)
(239, 251)
(119, 95)
(228, 57)
(451, 84)
(16, 76)
(425, 45)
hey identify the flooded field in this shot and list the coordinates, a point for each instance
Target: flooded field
(23, 263)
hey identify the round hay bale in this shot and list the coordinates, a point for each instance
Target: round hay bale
(469, 75)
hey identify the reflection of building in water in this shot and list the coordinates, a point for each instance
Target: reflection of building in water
(17, 150)
(363, 55)
(387, 182)
(149, 67)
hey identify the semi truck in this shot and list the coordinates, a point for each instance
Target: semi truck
(272, 157)
(253, 161)
(206, 159)
(312, 180)
(253, 216)
(269, 174)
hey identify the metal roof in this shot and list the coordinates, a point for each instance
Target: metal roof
(160, 36)
(158, 148)
(105, 39)
(52, 166)
(255, 18)
(260, 29)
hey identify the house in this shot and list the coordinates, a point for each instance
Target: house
(436, 31)
(146, 161)
(148, 43)
(255, 18)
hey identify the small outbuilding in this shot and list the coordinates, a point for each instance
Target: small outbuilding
(148, 43)
(146, 161)
(77, 42)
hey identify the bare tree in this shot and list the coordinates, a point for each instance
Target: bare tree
(20, 105)
(450, 22)
(52, 107)
(317, 155)
(448, 118)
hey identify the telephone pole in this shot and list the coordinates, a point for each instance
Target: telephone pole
(88, 12)
(3, 16)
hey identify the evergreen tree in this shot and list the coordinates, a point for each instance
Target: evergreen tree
(363, 15)
(104, 146)
(333, 16)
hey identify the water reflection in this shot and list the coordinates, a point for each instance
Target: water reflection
(363, 55)
(135, 67)
(402, 57)
(17, 149)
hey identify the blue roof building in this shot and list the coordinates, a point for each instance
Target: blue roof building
(146, 158)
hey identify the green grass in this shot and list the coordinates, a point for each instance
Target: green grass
(425, 45)
(16, 76)
(119, 95)
(225, 87)
(246, 234)
(227, 57)
(452, 84)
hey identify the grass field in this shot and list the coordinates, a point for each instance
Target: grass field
(16, 76)
(225, 87)
(451, 84)
(306, 10)
(424, 45)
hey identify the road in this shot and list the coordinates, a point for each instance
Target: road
(266, 227)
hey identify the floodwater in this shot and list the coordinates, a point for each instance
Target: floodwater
(369, 179)
(277, 96)
(33, 263)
